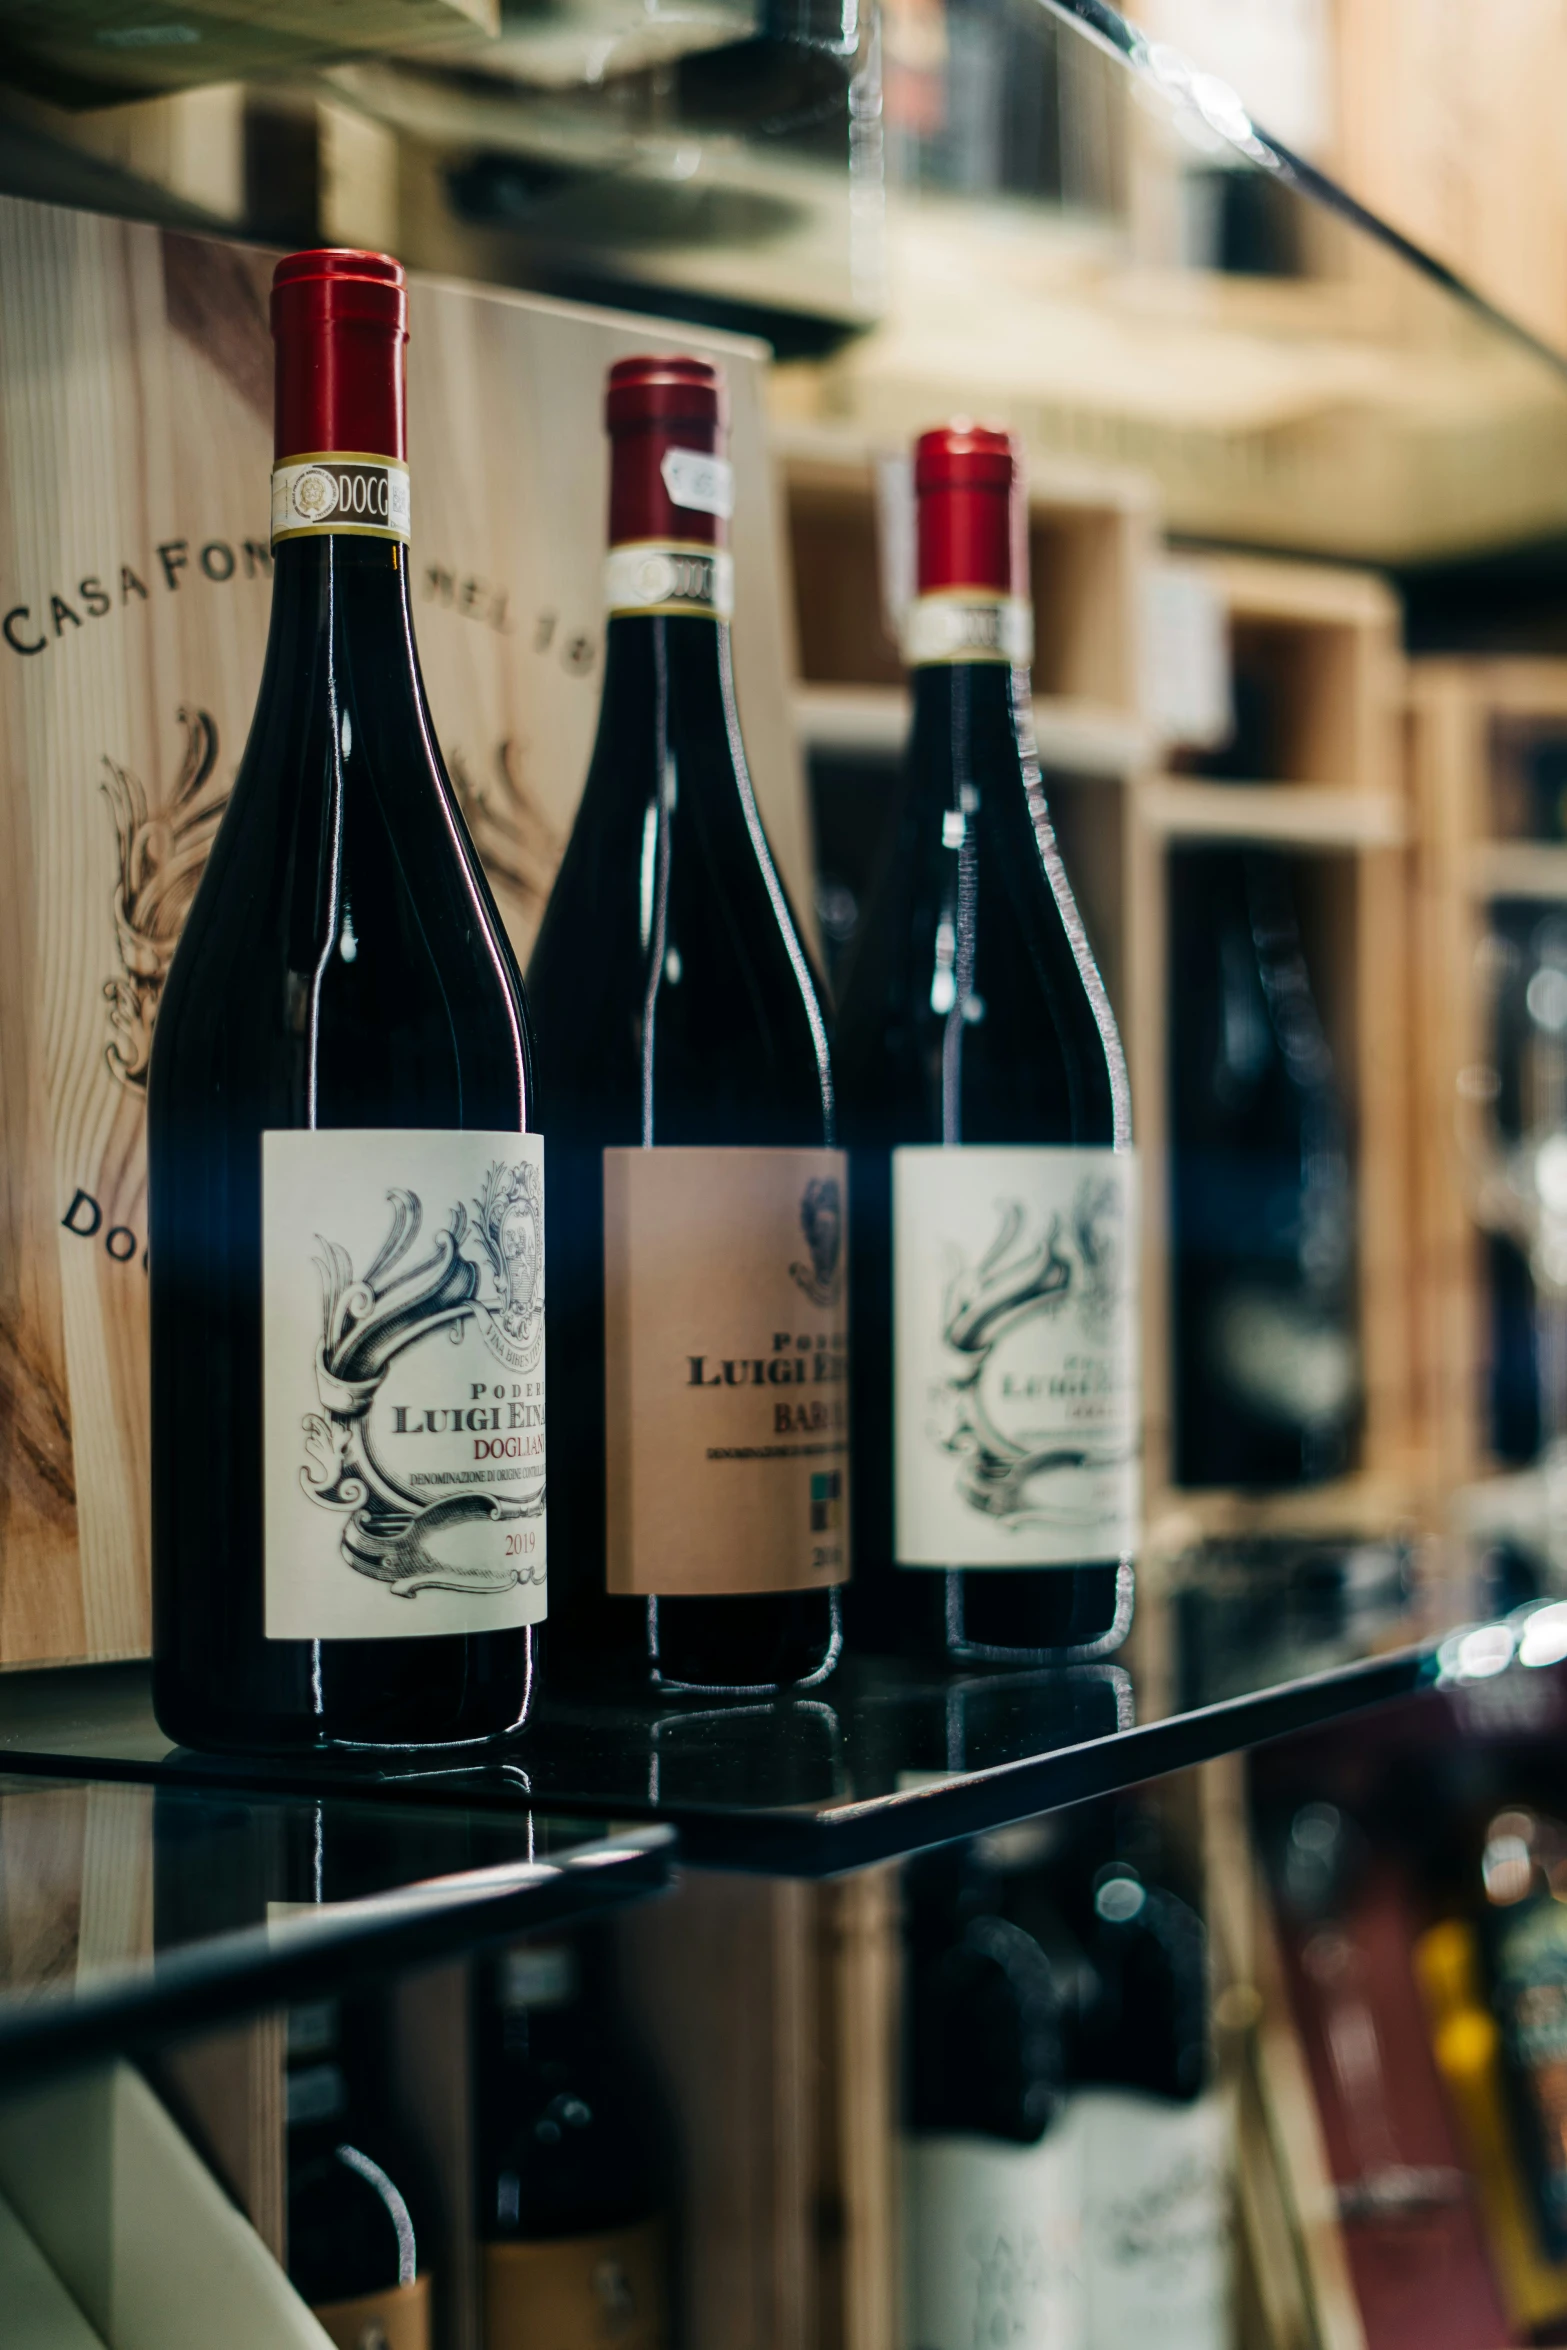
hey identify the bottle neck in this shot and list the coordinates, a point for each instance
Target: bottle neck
(966, 725)
(337, 597)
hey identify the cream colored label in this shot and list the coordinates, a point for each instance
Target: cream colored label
(726, 1370)
(1156, 2224)
(340, 492)
(402, 1382)
(394, 2320)
(664, 575)
(967, 624)
(607, 2292)
(993, 2237)
(1015, 1397)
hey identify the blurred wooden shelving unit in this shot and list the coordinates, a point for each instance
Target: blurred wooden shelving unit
(1472, 853)
(1324, 643)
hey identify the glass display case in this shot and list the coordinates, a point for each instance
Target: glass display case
(913, 1960)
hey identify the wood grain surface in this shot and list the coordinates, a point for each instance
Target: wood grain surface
(135, 446)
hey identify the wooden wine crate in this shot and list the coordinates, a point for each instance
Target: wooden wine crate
(135, 445)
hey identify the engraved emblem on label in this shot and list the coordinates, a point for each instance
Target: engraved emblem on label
(726, 1370)
(821, 1220)
(511, 1233)
(313, 495)
(966, 624)
(667, 578)
(703, 483)
(1015, 1404)
(404, 1382)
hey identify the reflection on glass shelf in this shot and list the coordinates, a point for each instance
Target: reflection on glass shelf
(126, 1907)
(886, 1758)
(1252, 1612)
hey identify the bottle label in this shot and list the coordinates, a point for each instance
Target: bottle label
(726, 1370)
(968, 624)
(403, 1382)
(398, 2319)
(605, 2292)
(1156, 2222)
(663, 575)
(313, 497)
(699, 481)
(1015, 1398)
(993, 2237)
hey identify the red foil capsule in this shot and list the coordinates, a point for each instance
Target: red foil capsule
(973, 511)
(339, 323)
(653, 405)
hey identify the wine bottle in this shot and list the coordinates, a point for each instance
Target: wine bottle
(1467, 2044)
(992, 2169)
(1523, 1930)
(985, 1104)
(1262, 1207)
(356, 2236)
(697, 1309)
(1155, 2133)
(346, 1197)
(572, 2221)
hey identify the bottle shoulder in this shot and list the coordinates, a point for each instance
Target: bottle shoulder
(967, 976)
(343, 915)
(667, 910)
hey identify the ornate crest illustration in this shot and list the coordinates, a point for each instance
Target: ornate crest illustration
(511, 1233)
(393, 1532)
(997, 1409)
(162, 854)
(821, 1220)
(517, 844)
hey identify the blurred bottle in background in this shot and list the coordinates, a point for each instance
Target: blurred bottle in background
(1467, 2044)
(1068, 2165)
(993, 2185)
(1263, 1206)
(1523, 981)
(573, 2182)
(1523, 1934)
(1155, 2130)
(358, 2251)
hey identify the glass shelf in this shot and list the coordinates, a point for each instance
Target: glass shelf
(132, 1910)
(884, 1759)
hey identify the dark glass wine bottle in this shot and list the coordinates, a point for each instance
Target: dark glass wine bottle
(572, 2217)
(1262, 1203)
(984, 1100)
(357, 2246)
(345, 1200)
(697, 1312)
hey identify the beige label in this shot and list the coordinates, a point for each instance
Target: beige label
(394, 2320)
(604, 2292)
(967, 625)
(659, 575)
(726, 1370)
